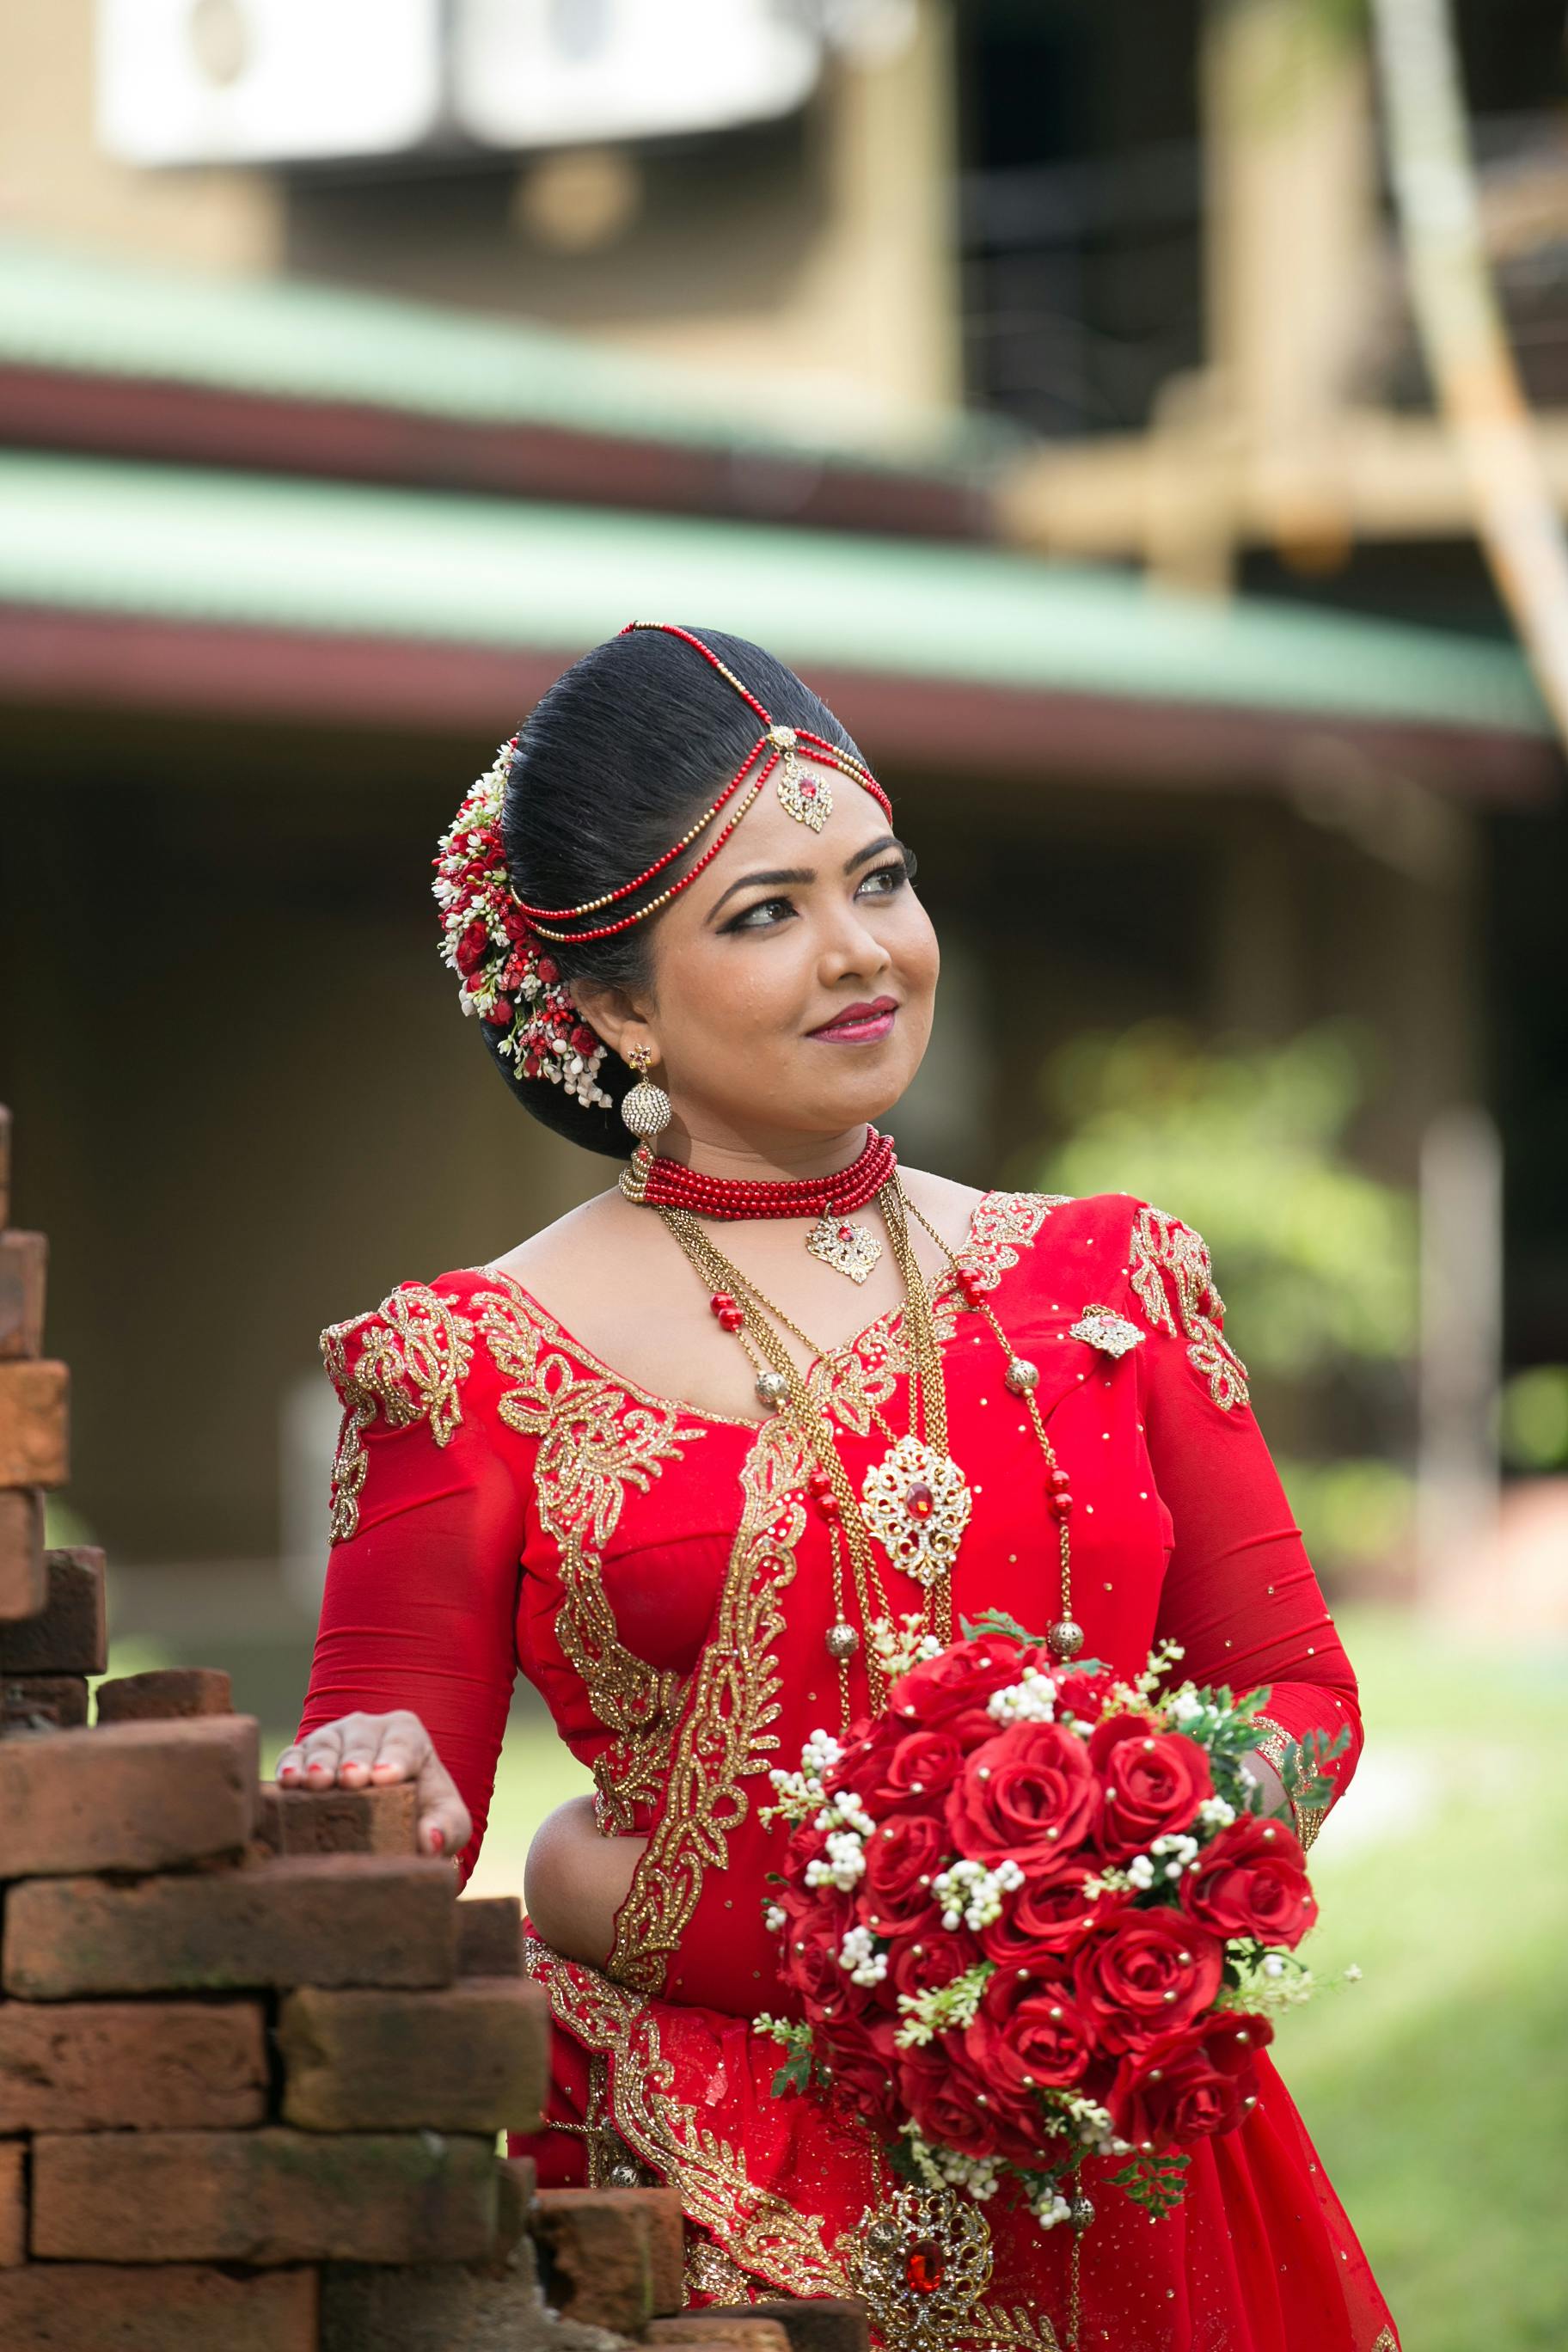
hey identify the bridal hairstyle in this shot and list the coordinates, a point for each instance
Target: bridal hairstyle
(621, 754)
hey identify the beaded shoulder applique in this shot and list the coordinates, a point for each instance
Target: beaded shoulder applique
(1174, 1286)
(405, 1359)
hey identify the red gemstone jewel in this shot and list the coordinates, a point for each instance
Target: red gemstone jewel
(808, 789)
(731, 1318)
(1061, 1480)
(1061, 1506)
(923, 2266)
(846, 1232)
(919, 1500)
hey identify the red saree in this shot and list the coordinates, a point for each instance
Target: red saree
(500, 1498)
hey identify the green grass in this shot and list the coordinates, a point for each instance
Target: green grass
(1436, 2088)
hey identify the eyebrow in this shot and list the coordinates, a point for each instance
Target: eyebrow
(803, 872)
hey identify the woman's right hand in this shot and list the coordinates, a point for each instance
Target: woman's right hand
(375, 1752)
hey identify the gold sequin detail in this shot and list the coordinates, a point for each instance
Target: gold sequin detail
(410, 1365)
(597, 1439)
(1308, 1819)
(1173, 1279)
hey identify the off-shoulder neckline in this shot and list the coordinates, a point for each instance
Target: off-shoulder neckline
(887, 1322)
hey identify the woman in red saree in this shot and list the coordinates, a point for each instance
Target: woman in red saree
(559, 1461)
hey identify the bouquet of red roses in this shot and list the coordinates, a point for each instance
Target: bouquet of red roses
(1034, 1913)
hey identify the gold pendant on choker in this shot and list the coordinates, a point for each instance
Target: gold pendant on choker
(848, 1249)
(917, 1503)
(921, 2259)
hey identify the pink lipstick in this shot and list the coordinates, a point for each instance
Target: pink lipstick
(859, 1025)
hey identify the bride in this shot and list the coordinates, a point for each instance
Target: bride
(675, 1455)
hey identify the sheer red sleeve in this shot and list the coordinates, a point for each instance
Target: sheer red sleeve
(1239, 1594)
(420, 1606)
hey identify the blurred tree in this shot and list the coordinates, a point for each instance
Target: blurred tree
(1316, 1259)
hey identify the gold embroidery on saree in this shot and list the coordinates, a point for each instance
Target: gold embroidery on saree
(759, 2234)
(415, 1353)
(723, 1738)
(1169, 1263)
(756, 2228)
(596, 1441)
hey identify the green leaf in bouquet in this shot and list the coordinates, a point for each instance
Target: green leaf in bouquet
(1156, 2182)
(1302, 1767)
(997, 1621)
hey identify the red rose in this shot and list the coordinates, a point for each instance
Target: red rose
(921, 1963)
(583, 1039)
(1028, 1796)
(938, 2086)
(1190, 2086)
(814, 1935)
(1251, 1880)
(1044, 1922)
(497, 1014)
(1029, 2032)
(921, 1768)
(949, 1692)
(1155, 1783)
(1146, 1974)
(1082, 1691)
(862, 2063)
(903, 1854)
(548, 971)
(473, 946)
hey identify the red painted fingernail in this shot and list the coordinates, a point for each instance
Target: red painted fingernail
(438, 1839)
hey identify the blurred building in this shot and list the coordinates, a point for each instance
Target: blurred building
(348, 391)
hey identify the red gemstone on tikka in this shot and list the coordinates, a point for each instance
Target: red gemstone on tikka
(924, 2269)
(919, 1500)
(808, 789)
(846, 1232)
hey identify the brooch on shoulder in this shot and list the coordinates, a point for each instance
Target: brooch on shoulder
(1112, 1334)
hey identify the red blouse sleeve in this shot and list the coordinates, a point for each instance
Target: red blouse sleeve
(420, 1605)
(1239, 1594)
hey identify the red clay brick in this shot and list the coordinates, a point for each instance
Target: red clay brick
(339, 1821)
(168, 1694)
(12, 2205)
(103, 2065)
(263, 2197)
(34, 1416)
(67, 1634)
(130, 1796)
(442, 2307)
(720, 2327)
(104, 2307)
(597, 2246)
(24, 1259)
(338, 1919)
(816, 2322)
(24, 1580)
(474, 2058)
(489, 1935)
(43, 1702)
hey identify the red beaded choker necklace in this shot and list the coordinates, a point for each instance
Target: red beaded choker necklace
(852, 1249)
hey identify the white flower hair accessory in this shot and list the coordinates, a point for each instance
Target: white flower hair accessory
(505, 975)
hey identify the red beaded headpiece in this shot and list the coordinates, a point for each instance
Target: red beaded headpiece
(491, 936)
(807, 798)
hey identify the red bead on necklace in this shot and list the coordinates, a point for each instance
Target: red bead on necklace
(671, 1184)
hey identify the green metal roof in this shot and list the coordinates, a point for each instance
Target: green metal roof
(92, 535)
(292, 339)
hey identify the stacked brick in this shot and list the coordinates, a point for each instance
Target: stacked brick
(255, 2054)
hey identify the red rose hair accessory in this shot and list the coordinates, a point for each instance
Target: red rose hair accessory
(507, 978)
